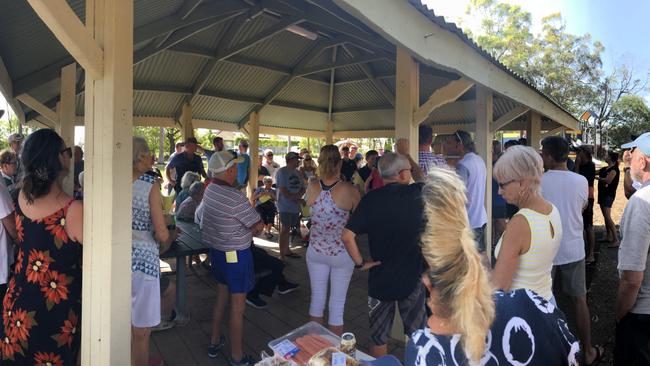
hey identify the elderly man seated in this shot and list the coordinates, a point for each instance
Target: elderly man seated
(188, 207)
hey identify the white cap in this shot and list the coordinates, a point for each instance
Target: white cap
(222, 160)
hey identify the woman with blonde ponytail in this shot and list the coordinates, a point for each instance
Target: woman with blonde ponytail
(470, 322)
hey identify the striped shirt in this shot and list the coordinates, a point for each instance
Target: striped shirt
(428, 160)
(227, 218)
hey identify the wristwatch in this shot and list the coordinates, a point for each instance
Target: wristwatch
(359, 266)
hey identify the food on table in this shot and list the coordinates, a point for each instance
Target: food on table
(309, 345)
(324, 358)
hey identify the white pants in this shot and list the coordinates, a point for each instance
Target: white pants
(335, 271)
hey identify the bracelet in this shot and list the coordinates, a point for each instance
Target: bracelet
(359, 266)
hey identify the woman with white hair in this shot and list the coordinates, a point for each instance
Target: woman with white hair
(148, 229)
(470, 323)
(532, 237)
(186, 182)
(188, 207)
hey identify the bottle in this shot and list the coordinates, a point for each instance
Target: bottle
(348, 344)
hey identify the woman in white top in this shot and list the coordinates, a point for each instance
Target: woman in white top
(528, 246)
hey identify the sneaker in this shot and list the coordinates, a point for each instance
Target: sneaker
(287, 287)
(256, 302)
(213, 349)
(246, 360)
(164, 325)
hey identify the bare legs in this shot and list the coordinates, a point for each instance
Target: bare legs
(168, 300)
(583, 322)
(590, 239)
(140, 346)
(284, 240)
(612, 235)
(236, 325)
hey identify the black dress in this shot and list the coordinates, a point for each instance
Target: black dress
(607, 192)
(42, 306)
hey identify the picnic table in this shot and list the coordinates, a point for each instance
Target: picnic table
(188, 244)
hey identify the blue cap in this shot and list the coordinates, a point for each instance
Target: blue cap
(642, 143)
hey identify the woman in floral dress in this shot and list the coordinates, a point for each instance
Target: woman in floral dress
(42, 306)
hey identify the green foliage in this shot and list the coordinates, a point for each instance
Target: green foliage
(630, 116)
(7, 128)
(152, 135)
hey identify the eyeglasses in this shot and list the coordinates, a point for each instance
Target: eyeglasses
(503, 185)
(67, 151)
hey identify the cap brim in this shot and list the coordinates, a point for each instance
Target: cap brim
(629, 145)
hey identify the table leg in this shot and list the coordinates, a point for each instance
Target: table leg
(181, 287)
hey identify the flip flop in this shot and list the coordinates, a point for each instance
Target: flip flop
(600, 351)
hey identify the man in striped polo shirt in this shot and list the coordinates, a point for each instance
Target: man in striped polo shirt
(229, 223)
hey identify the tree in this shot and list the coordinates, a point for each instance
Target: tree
(630, 115)
(171, 135)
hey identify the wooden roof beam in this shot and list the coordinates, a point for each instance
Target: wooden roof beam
(510, 116)
(7, 89)
(447, 94)
(41, 109)
(342, 63)
(72, 33)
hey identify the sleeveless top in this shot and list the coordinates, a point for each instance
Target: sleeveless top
(534, 267)
(327, 223)
(42, 305)
(145, 256)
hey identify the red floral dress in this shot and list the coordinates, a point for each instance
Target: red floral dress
(42, 306)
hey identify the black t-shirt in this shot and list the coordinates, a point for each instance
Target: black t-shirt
(364, 172)
(588, 171)
(393, 217)
(184, 164)
(348, 168)
(608, 190)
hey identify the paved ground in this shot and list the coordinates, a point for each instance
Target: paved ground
(187, 345)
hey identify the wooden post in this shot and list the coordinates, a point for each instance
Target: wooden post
(253, 149)
(534, 130)
(66, 110)
(161, 146)
(407, 99)
(106, 320)
(483, 141)
(186, 121)
(288, 143)
(329, 132)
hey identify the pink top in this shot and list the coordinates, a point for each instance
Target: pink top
(327, 223)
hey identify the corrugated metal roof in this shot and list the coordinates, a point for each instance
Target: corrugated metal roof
(282, 49)
(366, 120)
(208, 38)
(251, 28)
(146, 11)
(220, 109)
(26, 44)
(168, 69)
(361, 94)
(243, 80)
(428, 84)
(302, 91)
(151, 104)
(275, 116)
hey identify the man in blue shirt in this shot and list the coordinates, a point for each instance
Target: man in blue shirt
(217, 142)
(188, 161)
(243, 167)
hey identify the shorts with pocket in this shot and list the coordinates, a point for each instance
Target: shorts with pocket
(239, 276)
(289, 219)
(572, 278)
(411, 309)
(145, 300)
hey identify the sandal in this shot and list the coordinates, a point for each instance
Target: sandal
(600, 351)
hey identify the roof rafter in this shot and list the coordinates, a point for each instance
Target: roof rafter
(383, 89)
(447, 94)
(341, 63)
(7, 89)
(330, 103)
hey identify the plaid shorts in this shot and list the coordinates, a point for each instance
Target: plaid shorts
(412, 310)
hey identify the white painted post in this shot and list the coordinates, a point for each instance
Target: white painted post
(186, 121)
(329, 132)
(407, 99)
(288, 143)
(483, 141)
(106, 320)
(253, 149)
(161, 146)
(534, 129)
(66, 110)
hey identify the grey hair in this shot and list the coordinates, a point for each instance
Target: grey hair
(195, 189)
(267, 179)
(391, 164)
(188, 179)
(139, 147)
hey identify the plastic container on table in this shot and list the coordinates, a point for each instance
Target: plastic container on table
(282, 348)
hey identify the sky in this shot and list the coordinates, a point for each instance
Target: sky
(621, 25)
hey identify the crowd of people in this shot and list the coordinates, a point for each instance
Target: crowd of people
(425, 224)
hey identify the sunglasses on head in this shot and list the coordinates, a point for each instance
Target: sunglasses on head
(67, 151)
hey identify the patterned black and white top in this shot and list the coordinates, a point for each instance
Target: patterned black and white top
(527, 330)
(145, 254)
